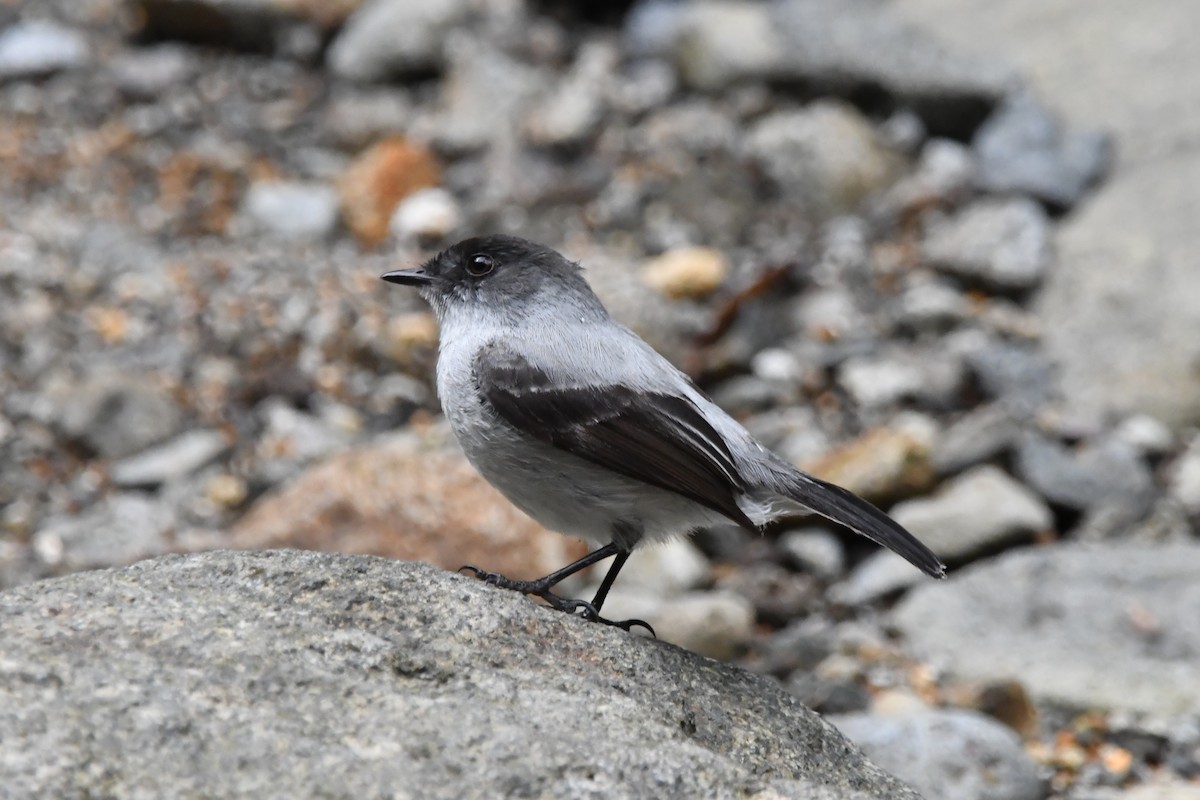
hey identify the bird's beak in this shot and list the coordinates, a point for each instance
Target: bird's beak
(408, 277)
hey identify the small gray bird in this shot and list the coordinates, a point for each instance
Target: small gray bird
(587, 429)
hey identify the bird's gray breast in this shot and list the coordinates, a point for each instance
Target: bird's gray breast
(532, 475)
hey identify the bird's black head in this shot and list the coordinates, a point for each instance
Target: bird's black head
(503, 272)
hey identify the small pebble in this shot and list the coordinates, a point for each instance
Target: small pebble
(31, 49)
(686, 272)
(814, 550)
(226, 490)
(426, 214)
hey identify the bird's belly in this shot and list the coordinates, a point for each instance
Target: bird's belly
(572, 496)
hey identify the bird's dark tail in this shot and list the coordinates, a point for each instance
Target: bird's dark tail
(850, 510)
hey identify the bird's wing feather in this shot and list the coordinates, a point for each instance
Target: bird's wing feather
(658, 438)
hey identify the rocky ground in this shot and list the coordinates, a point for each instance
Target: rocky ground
(351, 676)
(877, 249)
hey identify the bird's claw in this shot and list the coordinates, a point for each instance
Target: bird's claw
(495, 578)
(591, 615)
(564, 604)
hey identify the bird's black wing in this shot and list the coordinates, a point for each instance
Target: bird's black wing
(657, 438)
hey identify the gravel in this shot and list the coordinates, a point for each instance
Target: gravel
(960, 754)
(839, 226)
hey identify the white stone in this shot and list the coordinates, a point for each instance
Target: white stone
(29, 49)
(428, 213)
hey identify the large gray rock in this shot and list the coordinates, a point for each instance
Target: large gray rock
(854, 46)
(978, 511)
(948, 753)
(1126, 286)
(836, 46)
(1110, 627)
(1126, 282)
(288, 674)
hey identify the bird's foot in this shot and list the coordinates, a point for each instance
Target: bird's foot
(541, 588)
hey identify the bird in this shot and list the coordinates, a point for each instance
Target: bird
(586, 428)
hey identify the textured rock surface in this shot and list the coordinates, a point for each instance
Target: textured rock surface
(1085, 627)
(290, 674)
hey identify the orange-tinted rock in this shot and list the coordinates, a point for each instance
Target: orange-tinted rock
(686, 272)
(882, 464)
(409, 497)
(375, 183)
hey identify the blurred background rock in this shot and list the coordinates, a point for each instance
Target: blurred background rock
(940, 251)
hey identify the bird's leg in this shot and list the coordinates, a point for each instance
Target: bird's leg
(542, 586)
(594, 612)
(610, 576)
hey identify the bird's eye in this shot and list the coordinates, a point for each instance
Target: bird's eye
(479, 265)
